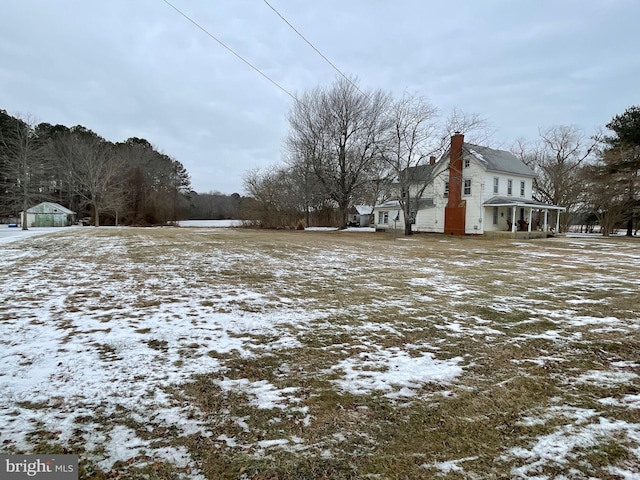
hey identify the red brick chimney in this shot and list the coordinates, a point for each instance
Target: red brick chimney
(455, 211)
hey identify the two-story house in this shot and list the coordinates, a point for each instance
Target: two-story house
(470, 190)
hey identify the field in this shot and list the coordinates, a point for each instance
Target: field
(230, 353)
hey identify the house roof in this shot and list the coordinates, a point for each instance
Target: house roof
(363, 209)
(499, 201)
(50, 207)
(395, 204)
(418, 173)
(498, 160)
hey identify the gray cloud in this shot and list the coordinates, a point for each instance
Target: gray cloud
(139, 69)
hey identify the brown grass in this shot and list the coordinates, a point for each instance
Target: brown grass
(510, 309)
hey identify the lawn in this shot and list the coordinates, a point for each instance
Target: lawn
(168, 353)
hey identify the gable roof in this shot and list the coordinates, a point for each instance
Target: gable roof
(362, 209)
(497, 160)
(50, 207)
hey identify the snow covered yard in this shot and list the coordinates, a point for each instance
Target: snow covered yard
(223, 353)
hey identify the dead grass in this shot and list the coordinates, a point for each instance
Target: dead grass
(528, 319)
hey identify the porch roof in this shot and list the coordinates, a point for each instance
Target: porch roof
(498, 201)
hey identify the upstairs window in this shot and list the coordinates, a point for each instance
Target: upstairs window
(446, 189)
(467, 162)
(467, 187)
(522, 189)
(496, 184)
(509, 187)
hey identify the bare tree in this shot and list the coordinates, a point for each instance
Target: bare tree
(23, 163)
(475, 128)
(273, 190)
(412, 138)
(95, 171)
(338, 130)
(557, 159)
(306, 185)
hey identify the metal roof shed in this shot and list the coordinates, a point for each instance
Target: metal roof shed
(49, 214)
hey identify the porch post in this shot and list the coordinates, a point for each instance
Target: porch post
(546, 213)
(513, 219)
(530, 210)
(557, 221)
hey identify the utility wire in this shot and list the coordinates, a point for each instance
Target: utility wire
(314, 47)
(229, 49)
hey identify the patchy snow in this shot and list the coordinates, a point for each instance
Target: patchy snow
(264, 395)
(449, 466)
(13, 234)
(81, 341)
(562, 446)
(335, 229)
(606, 378)
(390, 369)
(627, 401)
(272, 443)
(211, 223)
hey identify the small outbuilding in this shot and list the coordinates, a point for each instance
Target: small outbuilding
(360, 215)
(49, 214)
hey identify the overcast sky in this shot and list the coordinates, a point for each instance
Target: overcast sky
(128, 68)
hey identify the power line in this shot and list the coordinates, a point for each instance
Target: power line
(314, 47)
(229, 49)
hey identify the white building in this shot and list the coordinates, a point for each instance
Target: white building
(470, 190)
(49, 214)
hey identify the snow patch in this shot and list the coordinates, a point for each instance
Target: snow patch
(388, 370)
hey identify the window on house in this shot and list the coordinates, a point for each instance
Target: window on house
(467, 187)
(522, 189)
(446, 189)
(509, 187)
(383, 217)
(403, 193)
(495, 215)
(467, 162)
(496, 184)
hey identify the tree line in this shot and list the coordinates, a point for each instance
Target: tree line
(596, 177)
(128, 183)
(346, 146)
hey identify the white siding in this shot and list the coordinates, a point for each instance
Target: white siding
(503, 179)
(474, 221)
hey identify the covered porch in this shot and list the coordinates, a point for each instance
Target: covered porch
(522, 215)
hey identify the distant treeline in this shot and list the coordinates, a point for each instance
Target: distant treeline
(129, 182)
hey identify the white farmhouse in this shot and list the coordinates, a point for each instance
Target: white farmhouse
(470, 190)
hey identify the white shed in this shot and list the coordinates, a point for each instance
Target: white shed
(49, 214)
